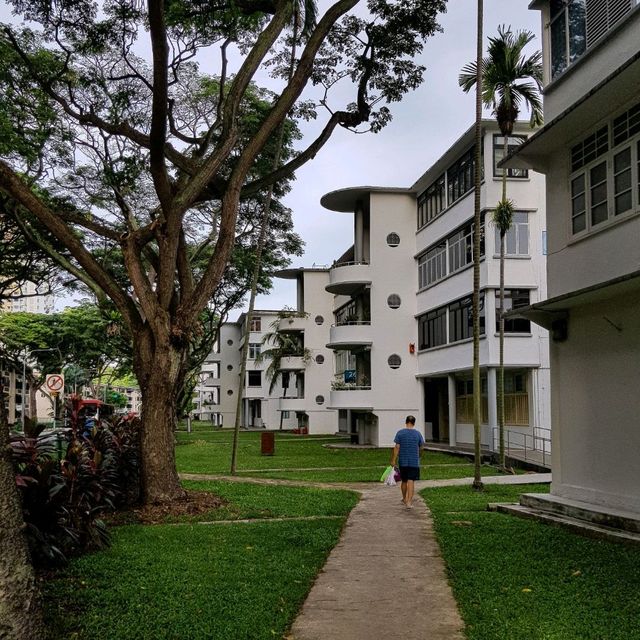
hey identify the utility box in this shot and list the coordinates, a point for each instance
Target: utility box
(268, 443)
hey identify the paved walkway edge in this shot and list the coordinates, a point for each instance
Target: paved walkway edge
(384, 579)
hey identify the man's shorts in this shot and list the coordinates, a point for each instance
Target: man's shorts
(409, 473)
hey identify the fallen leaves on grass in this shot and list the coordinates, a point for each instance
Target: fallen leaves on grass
(194, 503)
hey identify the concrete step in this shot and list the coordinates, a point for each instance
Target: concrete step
(576, 525)
(590, 513)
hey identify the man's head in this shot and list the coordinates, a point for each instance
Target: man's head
(410, 421)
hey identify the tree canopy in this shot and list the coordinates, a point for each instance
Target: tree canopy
(137, 131)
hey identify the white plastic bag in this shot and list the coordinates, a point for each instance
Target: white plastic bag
(390, 481)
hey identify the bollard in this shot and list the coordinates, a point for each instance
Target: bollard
(267, 443)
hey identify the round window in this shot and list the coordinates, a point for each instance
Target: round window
(394, 301)
(319, 319)
(393, 239)
(230, 342)
(394, 361)
(229, 367)
(230, 392)
(320, 358)
(320, 399)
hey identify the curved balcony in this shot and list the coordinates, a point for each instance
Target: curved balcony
(356, 398)
(291, 404)
(292, 363)
(292, 323)
(346, 278)
(350, 336)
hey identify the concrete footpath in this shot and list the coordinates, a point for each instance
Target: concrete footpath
(384, 579)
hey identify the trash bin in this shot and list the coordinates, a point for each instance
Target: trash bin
(267, 443)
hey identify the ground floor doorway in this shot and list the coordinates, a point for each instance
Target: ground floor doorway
(436, 409)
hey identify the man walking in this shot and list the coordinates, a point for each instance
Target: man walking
(409, 443)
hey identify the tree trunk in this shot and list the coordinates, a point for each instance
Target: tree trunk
(20, 611)
(477, 391)
(505, 147)
(159, 378)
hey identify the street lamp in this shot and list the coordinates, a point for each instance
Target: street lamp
(27, 353)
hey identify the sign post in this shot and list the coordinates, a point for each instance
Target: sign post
(55, 385)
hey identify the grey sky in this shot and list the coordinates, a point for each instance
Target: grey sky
(424, 125)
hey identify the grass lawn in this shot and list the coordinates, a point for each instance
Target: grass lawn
(517, 578)
(302, 458)
(202, 581)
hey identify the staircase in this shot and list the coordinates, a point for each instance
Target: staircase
(586, 519)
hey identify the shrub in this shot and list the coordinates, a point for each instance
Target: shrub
(68, 480)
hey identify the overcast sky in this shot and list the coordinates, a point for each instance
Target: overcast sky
(424, 125)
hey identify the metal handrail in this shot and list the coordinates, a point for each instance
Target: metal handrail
(348, 323)
(349, 263)
(519, 442)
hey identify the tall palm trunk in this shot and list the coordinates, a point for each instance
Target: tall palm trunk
(501, 315)
(477, 392)
(266, 210)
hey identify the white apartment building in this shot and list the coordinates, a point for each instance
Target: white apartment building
(374, 285)
(300, 394)
(386, 329)
(444, 241)
(589, 150)
(29, 299)
(215, 394)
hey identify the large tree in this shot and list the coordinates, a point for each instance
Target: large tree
(510, 79)
(114, 117)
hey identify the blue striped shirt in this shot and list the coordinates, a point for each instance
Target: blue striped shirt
(410, 442)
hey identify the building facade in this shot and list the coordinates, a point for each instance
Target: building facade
(386, 331)
(444, 240)
(589, 150)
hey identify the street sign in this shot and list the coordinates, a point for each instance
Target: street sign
(54, 382)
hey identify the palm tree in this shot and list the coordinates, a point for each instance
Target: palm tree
(509, 80)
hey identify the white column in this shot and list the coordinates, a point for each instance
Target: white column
(492, 392)
(452, 410)
(359, 234)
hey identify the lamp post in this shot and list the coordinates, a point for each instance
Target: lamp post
(27, 353)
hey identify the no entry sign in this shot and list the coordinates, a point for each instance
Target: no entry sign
(54, 382)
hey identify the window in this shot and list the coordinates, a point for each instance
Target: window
(513, 299)
(319, 399)
(394, 361)
(255, 324)
(394, 301)
(513, 142)
(254, 350)
(432, 266)
(393, 239)
(230, 342)
(255, 378)
(432, 329)
(461, 247)
(461, 319)
(516, 240)
(606, 181)
(460, 176)
(516, 398)
(319, 320)
(603, 15)
(432, 202)
(229, 367)
(464, 400)
(285, 415)
(320, 358)
(568, 33)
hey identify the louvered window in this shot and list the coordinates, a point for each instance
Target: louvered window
(603, 15)
(591, 148)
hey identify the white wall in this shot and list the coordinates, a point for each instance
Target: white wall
(596, 405)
